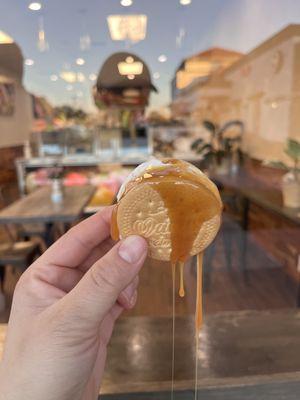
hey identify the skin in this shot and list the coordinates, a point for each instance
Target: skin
(63, 313)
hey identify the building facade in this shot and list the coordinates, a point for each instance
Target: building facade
(262, 89)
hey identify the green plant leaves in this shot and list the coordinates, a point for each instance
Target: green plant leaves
(293, 149)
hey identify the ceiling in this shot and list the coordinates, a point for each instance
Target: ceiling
(236, 24)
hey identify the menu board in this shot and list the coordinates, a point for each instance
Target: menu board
(7, 99)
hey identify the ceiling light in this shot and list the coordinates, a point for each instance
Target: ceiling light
(185, 2)
(156, 75)
(29, 62)
(53, 78)
(80, 61)
(68, 76)
(69, 88)
(5, 39)
(92, 77)
(35, 6)
(130, 77)
(134, 68)
(127, 27)
(162, 58)
(126, 3)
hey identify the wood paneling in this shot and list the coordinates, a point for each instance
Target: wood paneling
(8, 155)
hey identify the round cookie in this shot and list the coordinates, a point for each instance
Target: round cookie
(142, 212)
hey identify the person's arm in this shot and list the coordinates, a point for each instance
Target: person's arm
(64, 309)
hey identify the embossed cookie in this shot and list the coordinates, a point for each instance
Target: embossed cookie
(171, 204)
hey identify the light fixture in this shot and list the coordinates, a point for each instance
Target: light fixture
(156, 75)
(29, 62)
(92, 77)
(42, 44)
(5, 38)
(185, 2)
(131, 77)
(69, 76)
(35, 6)
(53, 78)
(274, 104)
(162, 58)
(80, 61)
(130, 68)
(126, 3)
(127, 27)
(69, 88)
(80, 77)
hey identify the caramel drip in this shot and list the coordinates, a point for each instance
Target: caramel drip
(114, 230)
(181, 282)
(198, 316)
(173, 327)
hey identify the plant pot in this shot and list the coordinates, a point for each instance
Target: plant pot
(291, 191)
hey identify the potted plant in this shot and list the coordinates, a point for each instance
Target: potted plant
(222, 153)
(291, 180)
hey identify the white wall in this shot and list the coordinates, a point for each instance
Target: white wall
(15, 129)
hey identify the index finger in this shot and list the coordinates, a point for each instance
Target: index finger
(76, 245)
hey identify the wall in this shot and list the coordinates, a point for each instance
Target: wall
(15, 129)
(263, 89)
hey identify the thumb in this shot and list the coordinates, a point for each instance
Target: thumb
(100, 287)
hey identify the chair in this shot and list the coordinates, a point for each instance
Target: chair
(19, 254)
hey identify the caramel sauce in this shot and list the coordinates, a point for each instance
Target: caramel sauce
(114, 229)
(181, 281)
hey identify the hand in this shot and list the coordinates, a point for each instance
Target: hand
(64, 309)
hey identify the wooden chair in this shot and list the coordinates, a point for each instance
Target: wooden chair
(18, 254)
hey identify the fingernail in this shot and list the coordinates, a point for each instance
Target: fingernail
(133, 299)
(132, 249)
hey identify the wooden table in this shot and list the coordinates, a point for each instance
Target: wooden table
(37, 207)
(285, 235)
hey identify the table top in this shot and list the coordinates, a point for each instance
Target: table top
(244, 349)
(38, 207)
(235, 348)
(268, 198)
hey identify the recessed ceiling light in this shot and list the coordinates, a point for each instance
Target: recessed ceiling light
(80, 61)
(130, 77)
(35, 6)
(185, 2)
(126, 3)
(54, 78)
(29, 62)
(69, 88)
(92, 77)
(156, 75)
(162, 58)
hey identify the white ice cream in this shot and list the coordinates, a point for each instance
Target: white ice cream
(142, 168)
(139, 171)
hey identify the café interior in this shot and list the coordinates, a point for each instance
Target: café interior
(90, 91)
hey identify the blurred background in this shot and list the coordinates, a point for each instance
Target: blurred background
(88, 91)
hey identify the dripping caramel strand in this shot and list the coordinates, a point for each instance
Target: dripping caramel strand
(181, 281)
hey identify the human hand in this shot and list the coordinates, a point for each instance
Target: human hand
(64, 309)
